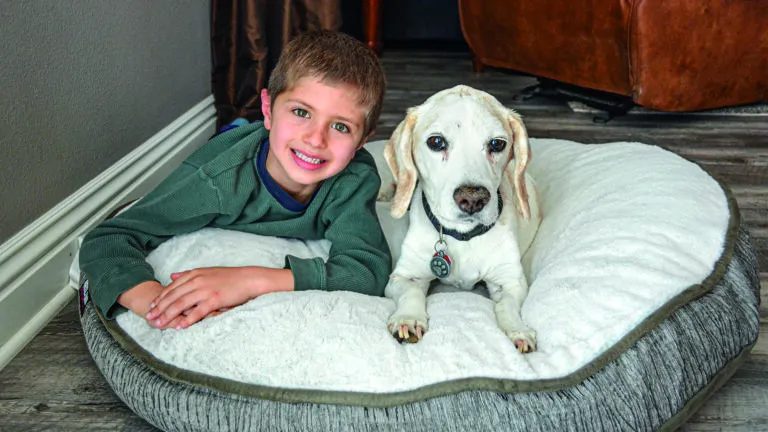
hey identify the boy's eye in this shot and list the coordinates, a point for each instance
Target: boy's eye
(341, 127)
(301, 112)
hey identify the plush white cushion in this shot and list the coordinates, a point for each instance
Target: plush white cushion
(626, 227)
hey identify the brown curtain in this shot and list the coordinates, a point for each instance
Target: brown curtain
(246, 39)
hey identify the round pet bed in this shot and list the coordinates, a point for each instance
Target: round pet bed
(644, 294)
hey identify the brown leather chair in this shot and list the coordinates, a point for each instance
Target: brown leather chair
(672, 55)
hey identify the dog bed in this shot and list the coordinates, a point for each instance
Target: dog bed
(644, 295)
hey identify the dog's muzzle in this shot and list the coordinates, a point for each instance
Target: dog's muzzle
(471, 199)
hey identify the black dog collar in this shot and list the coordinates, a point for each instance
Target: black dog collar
(474, 232)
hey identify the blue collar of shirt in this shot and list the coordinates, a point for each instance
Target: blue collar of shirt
(282, 197)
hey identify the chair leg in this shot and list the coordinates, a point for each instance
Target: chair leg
(372, 24)
(477, 64)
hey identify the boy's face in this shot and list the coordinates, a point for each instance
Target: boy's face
(314, 131)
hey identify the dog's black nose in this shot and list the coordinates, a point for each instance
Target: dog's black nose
(471, 199)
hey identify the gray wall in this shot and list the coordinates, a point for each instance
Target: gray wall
(84, 82)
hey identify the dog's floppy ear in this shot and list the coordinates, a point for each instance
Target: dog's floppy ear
(398, 153)
(521, 159)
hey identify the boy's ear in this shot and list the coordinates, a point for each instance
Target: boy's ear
(266, 108)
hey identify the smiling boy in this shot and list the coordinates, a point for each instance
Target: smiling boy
(302, 173)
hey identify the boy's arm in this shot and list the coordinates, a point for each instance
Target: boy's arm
(359, 259)
(113, 254)
(196, 294)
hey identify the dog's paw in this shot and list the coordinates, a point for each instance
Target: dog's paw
(407, 329)
(524, 339)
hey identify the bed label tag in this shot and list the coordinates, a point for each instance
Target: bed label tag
(83, 293)
(440, 265)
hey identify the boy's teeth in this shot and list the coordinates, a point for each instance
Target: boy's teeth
(306, 158)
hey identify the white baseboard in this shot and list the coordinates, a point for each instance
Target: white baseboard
(34, 264)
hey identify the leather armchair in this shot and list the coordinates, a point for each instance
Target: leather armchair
(672, 55)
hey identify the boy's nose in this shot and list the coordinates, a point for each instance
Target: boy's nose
(315, 136)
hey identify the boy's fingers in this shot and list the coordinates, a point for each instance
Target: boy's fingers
(161, 304)
(174, 323)
(177, 279)
(217, 312)
(178, 307)
(194, 316)
(169, 288)
(177, 275)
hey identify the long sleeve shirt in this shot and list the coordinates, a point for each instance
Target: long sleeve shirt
(221, 186)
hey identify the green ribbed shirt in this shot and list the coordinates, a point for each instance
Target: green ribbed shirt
(219, 186)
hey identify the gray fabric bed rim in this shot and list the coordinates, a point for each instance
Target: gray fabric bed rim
(656, 384)
(175, 374)
(701, 397)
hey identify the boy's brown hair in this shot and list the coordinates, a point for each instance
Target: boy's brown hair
(333, 58)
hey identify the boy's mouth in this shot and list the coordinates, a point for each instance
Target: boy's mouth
(306, 161)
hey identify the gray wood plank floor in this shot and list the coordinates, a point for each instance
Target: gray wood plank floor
(54, 385)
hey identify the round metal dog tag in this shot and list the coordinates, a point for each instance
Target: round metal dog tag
(440, 265)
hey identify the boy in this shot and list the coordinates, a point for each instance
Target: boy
(301, 173)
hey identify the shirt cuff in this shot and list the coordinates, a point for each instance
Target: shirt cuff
(105, 291)
(308, 274)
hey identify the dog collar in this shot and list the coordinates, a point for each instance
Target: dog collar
(474, 232)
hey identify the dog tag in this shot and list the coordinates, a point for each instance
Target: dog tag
(440, 265)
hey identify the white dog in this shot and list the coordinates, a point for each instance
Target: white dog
(459, 163)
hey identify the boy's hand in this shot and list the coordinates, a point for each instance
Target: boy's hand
(139, 298)
(204, 292)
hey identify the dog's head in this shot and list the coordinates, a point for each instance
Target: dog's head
(461, 143)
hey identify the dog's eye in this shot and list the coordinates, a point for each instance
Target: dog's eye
(496, 145)
(437, 143)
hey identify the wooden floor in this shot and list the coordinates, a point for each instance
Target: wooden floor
(54, 385)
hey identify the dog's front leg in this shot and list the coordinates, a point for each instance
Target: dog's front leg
(508, 298)
(409, 321)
